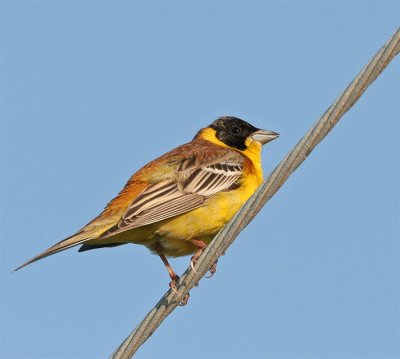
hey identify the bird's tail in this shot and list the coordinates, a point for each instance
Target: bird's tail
(69, 242)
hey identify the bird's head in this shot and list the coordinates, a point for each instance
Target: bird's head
(239, 134)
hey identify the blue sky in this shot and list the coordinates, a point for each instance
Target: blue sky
(91, 91)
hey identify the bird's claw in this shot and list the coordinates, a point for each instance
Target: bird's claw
(212, 270)
(173, 287)
(172, 284)
(184, 301)
(193, 261)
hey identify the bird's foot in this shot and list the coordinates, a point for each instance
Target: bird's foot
(173, 283)
(193, 261)
(173, 287)
(213, 269)
(184, 301)
(200, 247)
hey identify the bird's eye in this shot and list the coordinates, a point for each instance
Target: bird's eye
(236, 130)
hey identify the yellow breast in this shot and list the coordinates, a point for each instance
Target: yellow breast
(205, 222)
(209, 219)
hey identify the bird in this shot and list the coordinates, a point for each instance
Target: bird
(177, 203)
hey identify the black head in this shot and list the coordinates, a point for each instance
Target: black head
(233, 131)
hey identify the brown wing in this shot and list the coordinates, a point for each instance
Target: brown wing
(191, 186)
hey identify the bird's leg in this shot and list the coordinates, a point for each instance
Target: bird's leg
(200, 247)
(174, 277)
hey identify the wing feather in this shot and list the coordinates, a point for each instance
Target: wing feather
(191, 186)
(168, 209)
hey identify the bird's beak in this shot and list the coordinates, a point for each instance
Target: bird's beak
(264, 136)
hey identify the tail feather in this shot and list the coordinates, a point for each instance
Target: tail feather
(69, 242)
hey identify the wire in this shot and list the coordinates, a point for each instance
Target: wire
(287, 166)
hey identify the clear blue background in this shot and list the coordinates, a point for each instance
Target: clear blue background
(91, 91)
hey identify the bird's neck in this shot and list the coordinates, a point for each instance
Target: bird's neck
(253, 153)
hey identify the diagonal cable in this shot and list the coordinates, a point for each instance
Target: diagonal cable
(287, 166)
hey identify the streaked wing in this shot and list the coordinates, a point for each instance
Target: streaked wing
(158, 202)
(191, 187)
(212, 179)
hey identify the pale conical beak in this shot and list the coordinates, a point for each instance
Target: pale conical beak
(264, 136)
